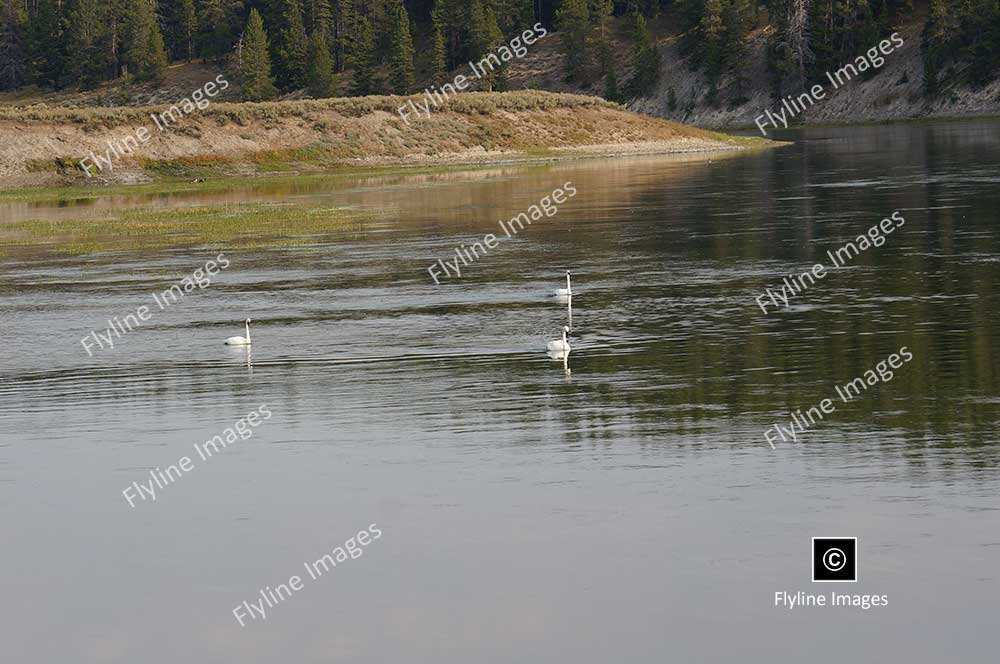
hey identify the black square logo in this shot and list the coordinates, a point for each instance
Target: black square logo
(835, 559)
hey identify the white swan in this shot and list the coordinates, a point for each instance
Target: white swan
(240, 341)
(559, 345)
(565, 292)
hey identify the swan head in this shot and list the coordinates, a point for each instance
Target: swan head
(248, 321)
(566, 329)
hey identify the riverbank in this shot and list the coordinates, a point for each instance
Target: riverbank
(53, 146)
(275, 211)
(891, 92)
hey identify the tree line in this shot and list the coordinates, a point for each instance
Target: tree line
(280, 46)
(960, 42)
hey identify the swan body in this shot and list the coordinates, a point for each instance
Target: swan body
(565, 292)
(559, 345)
(240, 341)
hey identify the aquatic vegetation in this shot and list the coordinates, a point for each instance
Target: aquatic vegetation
(249, 225)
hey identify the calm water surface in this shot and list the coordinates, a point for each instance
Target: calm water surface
(631, 511)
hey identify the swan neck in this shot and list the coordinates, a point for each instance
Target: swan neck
(248, 331)
(569, 289)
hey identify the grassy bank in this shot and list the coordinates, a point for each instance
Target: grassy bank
(43, 146)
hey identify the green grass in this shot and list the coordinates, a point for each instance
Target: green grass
(243, 226)
(176, 179)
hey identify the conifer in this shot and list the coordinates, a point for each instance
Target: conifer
(292, 48)
(211, 19)
(88, 40)
(143, 54)
(320, 81)
(13, 53)
(45, 38)
(319, 15)
(363, 59)
(344, 33)
(645, 59)
(573, 20)
(179, 24)
(255, 61)
(400, 49)
(439, 61)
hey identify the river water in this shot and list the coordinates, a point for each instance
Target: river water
(629, 510)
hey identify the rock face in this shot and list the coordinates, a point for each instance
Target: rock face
(894, 93)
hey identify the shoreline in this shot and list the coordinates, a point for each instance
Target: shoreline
(82, 187)
(50, 147)
(922, 120)
(156, 178)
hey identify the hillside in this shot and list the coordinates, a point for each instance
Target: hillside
(46, 145)
(47, 130)
(894, 93)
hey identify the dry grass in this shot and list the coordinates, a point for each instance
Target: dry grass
(43, 146)
(468, 103)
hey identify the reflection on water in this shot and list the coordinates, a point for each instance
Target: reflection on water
(568, 507)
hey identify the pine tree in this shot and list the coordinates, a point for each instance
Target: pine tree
(156, 63)
(212, 34)
(319, 17)
(183, 29)
(645, 59)
(439, 62)
(13, 54)
(363, 60)
(496, 79)
(344, 33)
(219, 24)
(599, 11)
(142, 54)
(400, 50)
(797, 37)
(514, 16)
(822, 38)
(292, 48)
(89, 42)
(45, 40)
(439, 27)
(648, 8)
(478, 41)
(844, 16)
(868, 34)
(484, 37)
(979, 25)
(321, 82)
(573, 19)
(234, 13)
(454, 18)
(600, 16)
(934, 44)
(735, 25)
(255, 61)
(689, 14)
(711, 38)
(611, 92)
